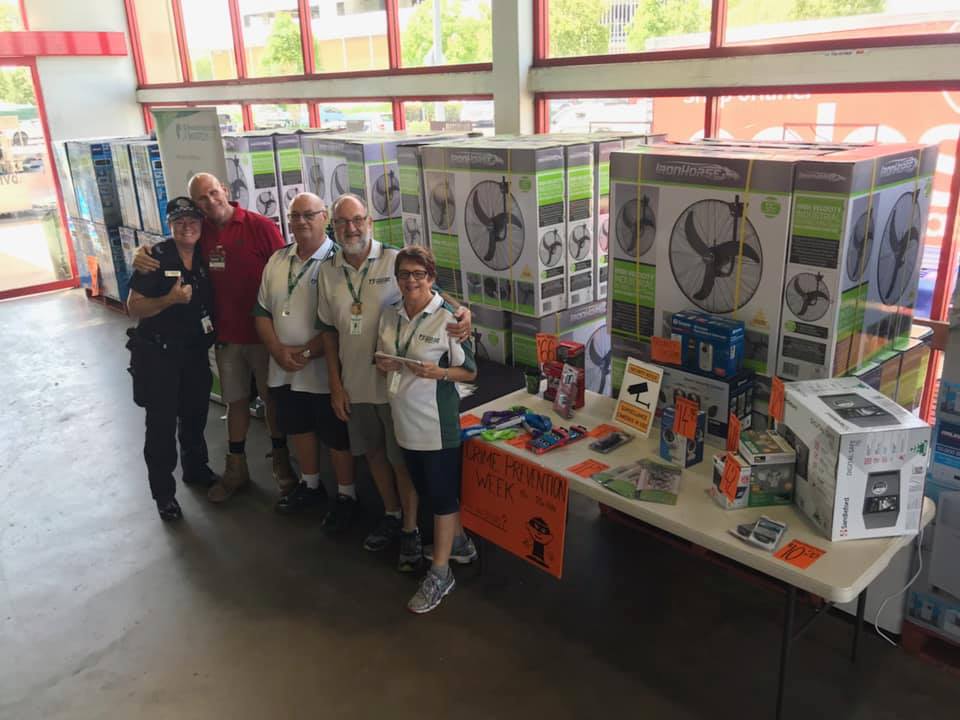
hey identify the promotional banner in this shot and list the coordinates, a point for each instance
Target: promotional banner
(190, 142)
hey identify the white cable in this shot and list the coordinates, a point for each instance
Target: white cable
(876, 620)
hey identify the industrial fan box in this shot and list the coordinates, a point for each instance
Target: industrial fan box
(716, 396)
(492, 334)
(252, 173)
(289, 169)
(126, 186)
(861, 459)
(324, 166)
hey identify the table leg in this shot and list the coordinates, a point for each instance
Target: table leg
(785, 642)
(861, 606)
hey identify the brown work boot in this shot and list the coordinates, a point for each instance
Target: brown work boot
(235, 476)
(283, 473)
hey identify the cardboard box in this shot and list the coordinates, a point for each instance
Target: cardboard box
(126, 185)
(621, 350)
(104, 243)
(413, 201)
(252, 176)
(324, 165)
(861, 459)
(62, 163)
(709, 344)
(492, 334)
(151, 186)
(742, 495)
(679, 449)
(913, 374)
(717, 397)
(94, 182)
(289, 162)
(772, 463)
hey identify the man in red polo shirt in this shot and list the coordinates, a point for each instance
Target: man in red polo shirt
(236, 244)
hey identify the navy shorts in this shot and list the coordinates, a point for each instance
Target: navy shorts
(302, 412)
(436, 475)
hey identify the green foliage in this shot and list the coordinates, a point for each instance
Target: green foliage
(10, 18)
(16, 86)
(835, 8)
(664, 18)
(202, 69)
(464, 38)
(283, 54)
(576, 28)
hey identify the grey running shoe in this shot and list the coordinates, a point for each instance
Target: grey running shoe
(433, 589)
(411, 551)
(386, 531)
(464, 551)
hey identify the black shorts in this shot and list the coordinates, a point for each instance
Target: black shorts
(436, 475)
(303, 412)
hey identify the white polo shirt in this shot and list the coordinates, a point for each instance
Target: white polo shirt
(377, 288)
(426, 413)
(297, 326)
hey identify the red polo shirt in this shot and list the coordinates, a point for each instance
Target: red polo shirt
(247, 241)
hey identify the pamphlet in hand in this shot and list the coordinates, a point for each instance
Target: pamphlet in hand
(407, 361)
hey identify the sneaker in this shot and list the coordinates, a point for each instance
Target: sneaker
(411, 551)
(432, 590)
(340, 517)
(170, 510)
(386, 531)
(464, 551)
(202, 478)
(301, 499)
(283, 473)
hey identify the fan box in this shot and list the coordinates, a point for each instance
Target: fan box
(412, 204)
(709, 344)
(621, 350)
(126, 186)
(325, 166)
(492, 334)
(289, 169)
(94, 182)
(718, 397)
(742, 494)
(503, 202)
(913, 373)
(772, 463)
(252, 173)
(679, 449)
(861, 459)
(151, 186)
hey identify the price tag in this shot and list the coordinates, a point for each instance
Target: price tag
(601, 430)
(685, 418)
(730, 478)
(546, 347)
(469, 420)
(776, 399)
(665, 350)
(733, 433)
(520, 441)
(587, 468)
(799, 554)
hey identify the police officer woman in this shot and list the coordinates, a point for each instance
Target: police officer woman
(169, 357)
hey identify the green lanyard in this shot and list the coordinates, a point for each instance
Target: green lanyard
(293, 282)
(363, 276)
(402, 352)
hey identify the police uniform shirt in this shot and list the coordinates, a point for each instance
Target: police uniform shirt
(426, 413)
(378, 291)
(294, 312)
(179, 322)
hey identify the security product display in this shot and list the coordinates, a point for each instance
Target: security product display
(709, 344)
(772, 462)
(553, 371)
(126, 185)
(765, 533)
(742, 493)
(717, 397)
(252, 176)
(861, 458)
(645, 479)
(611, 441)
(556, 438)
(677, 448)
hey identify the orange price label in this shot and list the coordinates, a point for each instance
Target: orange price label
(546, 347)
(777, 391)
(799, 554)
(685, 418)
(733, 433)
(469, 420)
(588, 468)
(601, 430)
(93, 266)
(520, 441)
(665, 350)
(730, 479)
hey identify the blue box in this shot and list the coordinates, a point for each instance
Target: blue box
(677, 449)
(709, 344)
(94, 182)
(151, 186)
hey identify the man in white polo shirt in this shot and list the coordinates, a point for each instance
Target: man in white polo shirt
(285, 317)
(354, 289)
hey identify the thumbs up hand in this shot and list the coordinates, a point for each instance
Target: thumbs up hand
(180, 294)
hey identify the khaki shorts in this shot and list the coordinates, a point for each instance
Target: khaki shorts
(371, 427)
(235, 364)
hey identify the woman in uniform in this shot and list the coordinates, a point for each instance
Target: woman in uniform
(169, 357)
(421, 374)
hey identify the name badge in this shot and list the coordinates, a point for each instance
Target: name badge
(356, 324)
(171, 273)
(207, 324)
(393, 383)
(218, 259)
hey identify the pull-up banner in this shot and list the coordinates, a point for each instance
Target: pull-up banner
(190, 142)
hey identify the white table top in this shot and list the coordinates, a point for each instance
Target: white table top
(839, 576)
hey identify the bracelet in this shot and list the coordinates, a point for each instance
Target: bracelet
(446, 376)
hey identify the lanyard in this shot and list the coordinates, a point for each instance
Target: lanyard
(363, 276)
(293, 282)
(402, 351)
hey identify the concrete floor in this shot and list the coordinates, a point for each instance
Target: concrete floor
(105, 612)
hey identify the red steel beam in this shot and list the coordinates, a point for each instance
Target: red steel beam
(718, 23)
(393, 34)
(186, 71)
(239, 53)
(30, 43)
(306, 36)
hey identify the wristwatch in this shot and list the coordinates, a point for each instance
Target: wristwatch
(306, 353)
(446, 376)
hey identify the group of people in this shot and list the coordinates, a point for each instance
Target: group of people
(349, 344)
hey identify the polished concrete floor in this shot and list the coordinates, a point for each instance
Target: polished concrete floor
(237, 612)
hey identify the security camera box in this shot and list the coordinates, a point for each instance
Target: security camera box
(151, 185)
(289, 169)
(772, 463)
(571, 325)
(252, 177)
(717, 397)
(492, 334)
(861, 459)
(504, 203)
(94, 182)
(679, 449)
(742, 494)
(623, 349)
(709, 343)
(126, 186)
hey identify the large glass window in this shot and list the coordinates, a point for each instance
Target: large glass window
(926, 117)
(457, 115)
(681, 118)
(10, 19)
(158, 40)
(462, 27)
(765, 21)
(601, 27)
(231, 118)
(358, 117)
(209, 39)
(271, 37)
(349, 35)
(281, 116)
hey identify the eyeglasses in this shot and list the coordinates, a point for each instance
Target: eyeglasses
(357, 220)
(307, 216)
(415, 274)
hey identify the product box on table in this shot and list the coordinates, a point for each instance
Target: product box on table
(772, 464)
(861, 458)
(252, 173)
(552, 371)
(126, 184)
(742, 494)
(709, 344)
(677, 448)
(151, 186)
(717, 397)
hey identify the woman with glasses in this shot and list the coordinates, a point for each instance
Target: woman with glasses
(422, 364)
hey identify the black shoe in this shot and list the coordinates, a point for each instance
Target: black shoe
(170, 510)
(340, 518)
(301, 499)
(204, 477)
(384, 534)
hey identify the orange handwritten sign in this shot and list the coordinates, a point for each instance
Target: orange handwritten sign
(777, 392)
(601, 430)
(546, 347)
(730, 479)
(733, 433)
(94, 267)
(685, 418)
(520, 441)
(799, 554)
(587, 468)
(516, 504)
(665, 350)
(469, 420)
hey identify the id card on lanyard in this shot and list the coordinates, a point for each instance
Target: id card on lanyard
(218, 258)
(356, 308)
(293, 282)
